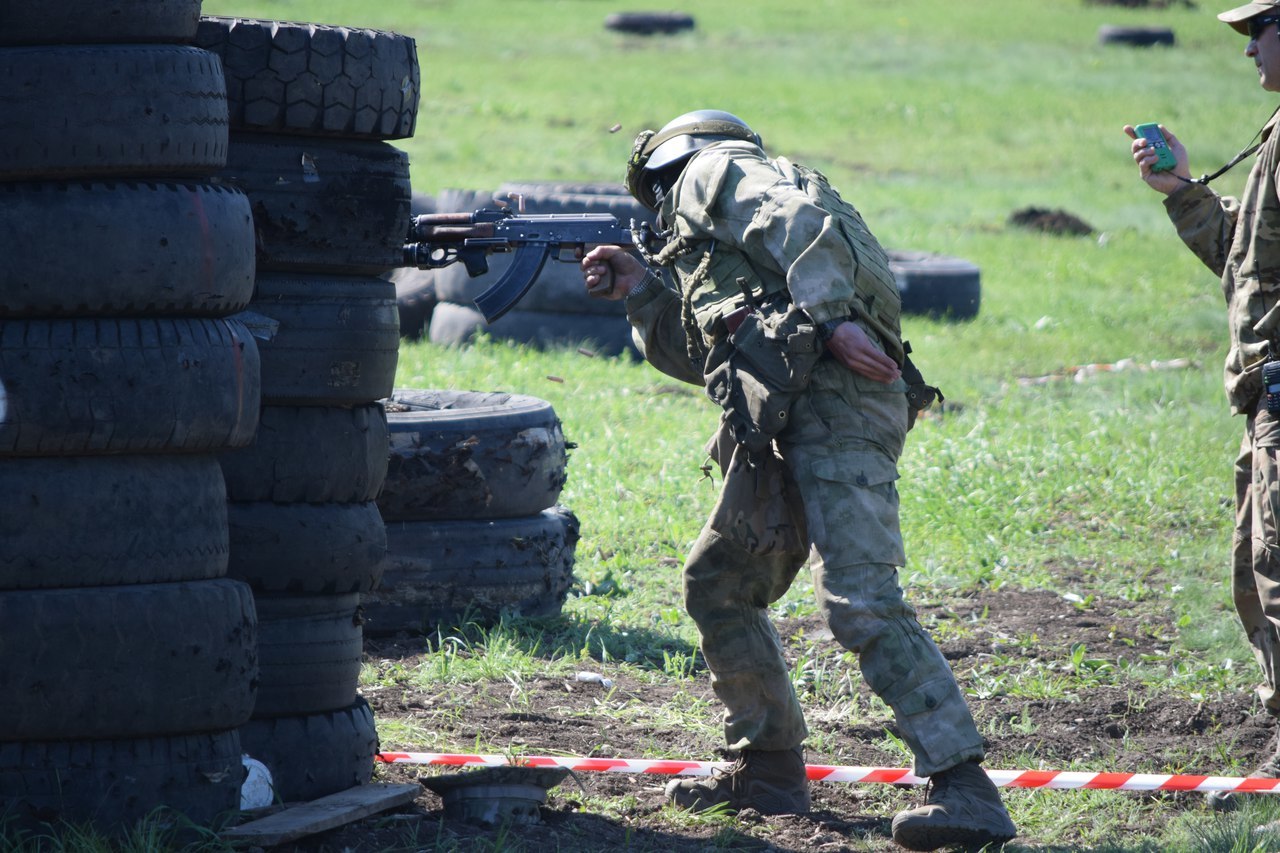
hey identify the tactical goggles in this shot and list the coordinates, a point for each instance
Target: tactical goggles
(1260, 23)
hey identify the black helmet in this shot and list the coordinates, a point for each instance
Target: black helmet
(677, 141)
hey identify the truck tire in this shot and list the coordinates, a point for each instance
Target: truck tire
(312, 755)
(309, 650)
(453, 324)
(150, 111)
(439, 572)
(88, 21)
(115, 783)
(154, 248)
(83, 521)
(469, 455)
(938, 286)
(311, 454)
(325, 340)
(323, 205)
(127, 661)
(308, 549)
(145, 385)
(302, 78)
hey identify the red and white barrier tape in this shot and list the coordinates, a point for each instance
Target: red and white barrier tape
(1058, 779)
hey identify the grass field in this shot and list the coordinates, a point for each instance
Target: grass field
(938, 120)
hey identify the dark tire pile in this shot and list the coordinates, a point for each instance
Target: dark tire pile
(194, 340)
(130, 657)
(474, 530)
(312, 108)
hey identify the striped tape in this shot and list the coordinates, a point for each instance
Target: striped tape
(1053, 779)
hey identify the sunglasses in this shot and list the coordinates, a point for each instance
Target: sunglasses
(1260, 23)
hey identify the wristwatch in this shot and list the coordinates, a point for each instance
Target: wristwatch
(826, 331)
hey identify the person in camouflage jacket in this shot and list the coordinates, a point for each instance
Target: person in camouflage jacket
(787, 313)
(1239, 239)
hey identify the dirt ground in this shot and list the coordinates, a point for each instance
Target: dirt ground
(1110, 726)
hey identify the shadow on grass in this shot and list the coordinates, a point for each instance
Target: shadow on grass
(551, 638)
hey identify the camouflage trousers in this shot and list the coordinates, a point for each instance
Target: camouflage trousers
(1255, 551)
(828, 496)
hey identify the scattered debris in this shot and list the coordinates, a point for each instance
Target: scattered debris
(593, 678)
(1084, 372)
(1050, 221)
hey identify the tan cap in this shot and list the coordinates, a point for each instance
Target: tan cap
(1239, 17)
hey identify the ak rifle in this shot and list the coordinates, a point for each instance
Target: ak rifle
(439, 239)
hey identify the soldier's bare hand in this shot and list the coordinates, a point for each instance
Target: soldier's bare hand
(610, 272)
(1145, 156)
(853, 348)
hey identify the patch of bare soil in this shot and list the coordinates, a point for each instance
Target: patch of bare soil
(1050, 221)
(1110, 727)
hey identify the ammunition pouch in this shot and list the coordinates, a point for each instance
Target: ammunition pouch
(920, 394)
(758, 369)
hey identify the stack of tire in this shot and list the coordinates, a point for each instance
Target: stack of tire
(556, 311)
(474, 531)
(312, 108)
(129, 657)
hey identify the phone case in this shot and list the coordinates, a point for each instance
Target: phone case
(1151, 133)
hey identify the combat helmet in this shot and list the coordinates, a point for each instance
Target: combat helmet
(657, 154)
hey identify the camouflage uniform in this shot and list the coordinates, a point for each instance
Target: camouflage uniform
(1240, 241)
(831, 482)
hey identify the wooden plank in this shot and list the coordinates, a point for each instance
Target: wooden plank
(323, 814)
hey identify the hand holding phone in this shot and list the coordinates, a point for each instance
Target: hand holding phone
(1157, 143)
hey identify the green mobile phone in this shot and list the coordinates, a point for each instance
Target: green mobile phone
(1151, 133)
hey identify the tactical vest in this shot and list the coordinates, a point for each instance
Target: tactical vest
(709, 273)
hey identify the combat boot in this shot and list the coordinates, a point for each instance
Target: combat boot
(962, 807)
(1226, 801)
(769, 781)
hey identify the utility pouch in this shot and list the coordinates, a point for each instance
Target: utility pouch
(920, 394)
(756, 373)
(1271, 383)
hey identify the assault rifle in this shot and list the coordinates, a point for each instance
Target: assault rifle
(440, 239)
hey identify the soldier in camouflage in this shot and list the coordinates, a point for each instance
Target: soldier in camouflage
(1239, 239)
(772, 293)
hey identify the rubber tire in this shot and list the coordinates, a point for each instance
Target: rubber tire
(440, 572)
(323, 205)
(85, 21)
(154, 385)
(304, 78)
(308, 549)
(938, 286)
(311, 454)
(313, 755)
(102, 521)
(127, 661)
(457, 325)
(1136, 36)
(113, 784)
(149, 110)
(469, 455)
(325, 340)
(141, 248)
(309, 653)
(649, 23)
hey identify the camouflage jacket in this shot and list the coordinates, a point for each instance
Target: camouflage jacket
(1239, 239)
(730, 193)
